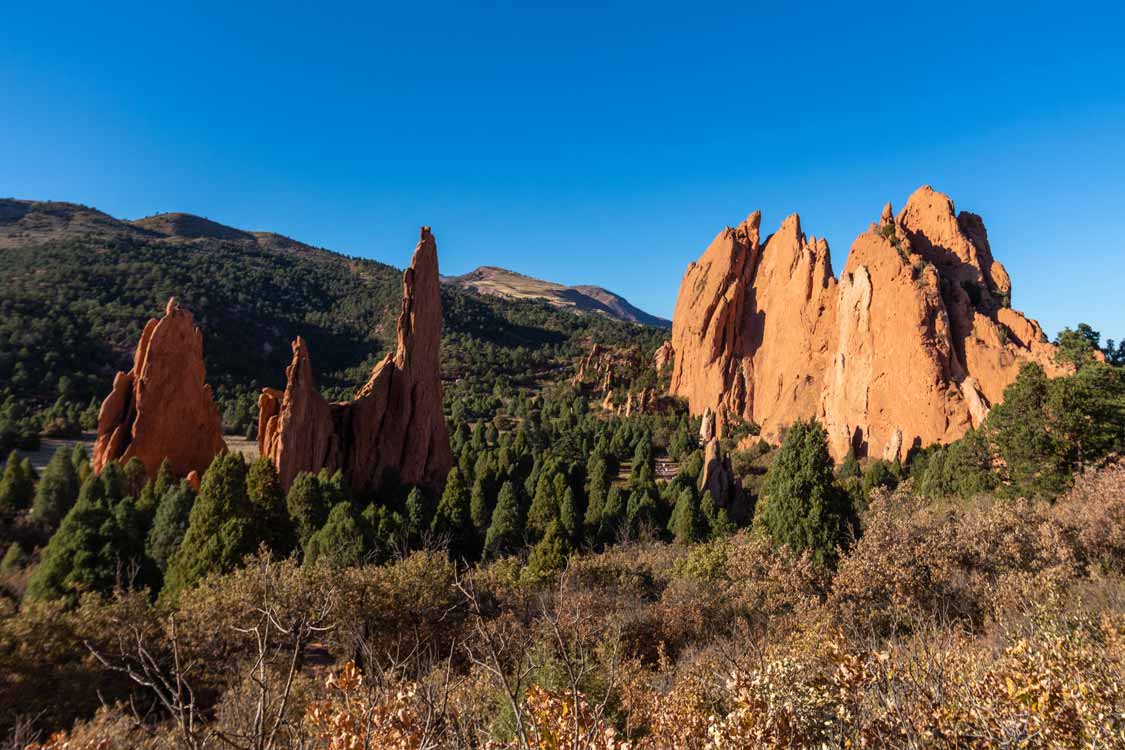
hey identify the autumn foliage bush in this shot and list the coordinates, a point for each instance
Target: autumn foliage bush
(989, 623)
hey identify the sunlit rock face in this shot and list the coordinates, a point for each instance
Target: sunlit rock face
(394, 428)
(910, 346)
(162, 408)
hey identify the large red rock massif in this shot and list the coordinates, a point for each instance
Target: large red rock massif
(394, 426)
(910, 346)
(162, 408)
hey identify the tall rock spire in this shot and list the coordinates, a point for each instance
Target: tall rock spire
(395, 426)
(162, 408)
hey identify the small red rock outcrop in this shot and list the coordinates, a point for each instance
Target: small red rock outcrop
(717, 476)
(606, 371)
(162, 408)
(912, 345)
(394, 426)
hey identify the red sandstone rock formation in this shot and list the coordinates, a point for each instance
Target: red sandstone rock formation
(717, 476)
(751, 322)
(664, 355)
(162, 408)
(911, 346)
(394, 426)
(605, 370)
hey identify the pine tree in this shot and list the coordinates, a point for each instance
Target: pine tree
(597, 484)
(548, 556)
(418, 513)
(686, 524)
(850, 468)
(480, 509)
(13, 560)
(305, 506)
(154, 489)
(169, 524)
(544, 508)
(96, 542)
(113, 477)
(1077, 347)
(613, 514)
(78, 457)
(57, 491)
(505, 529)
(802, 506)
(263, 488)
(452, 517)
(642, 512)
(568, 515)
(334, 489)
(340, 542)
(1032, 454)
(385, 530)
(135, 477)
(221, 528)
(465, 462)
(880, 475)
(1086, 411)
(17, 486)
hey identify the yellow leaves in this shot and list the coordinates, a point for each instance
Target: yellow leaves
(354, 717)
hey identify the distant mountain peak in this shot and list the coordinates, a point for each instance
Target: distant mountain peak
(190, 226)
(502, 282)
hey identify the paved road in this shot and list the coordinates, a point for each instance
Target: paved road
(48, 446)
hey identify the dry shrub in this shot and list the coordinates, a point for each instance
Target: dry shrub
(46, 675)
(1094, 510)
(561, 721)
(111, 728)
(770, 584)
(389, 612)
(917, 562)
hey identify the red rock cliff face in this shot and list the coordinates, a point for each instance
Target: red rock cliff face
(752, 322)
(395, 423)
(162, 408)
(912, 345)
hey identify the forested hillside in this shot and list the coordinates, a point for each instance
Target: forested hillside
(77, 286)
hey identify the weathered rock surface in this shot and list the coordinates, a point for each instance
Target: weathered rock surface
(752, 322)
(162, 408)
(608, 371)
(912, 345)
(664, 355)
(717, 476)
(394, 427)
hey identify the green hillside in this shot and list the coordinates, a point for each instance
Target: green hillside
(77, 286)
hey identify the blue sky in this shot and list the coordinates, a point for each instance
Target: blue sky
(604, 143)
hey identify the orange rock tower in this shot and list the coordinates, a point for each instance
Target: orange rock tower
(162, 408)
(911, 345)
(395, 424)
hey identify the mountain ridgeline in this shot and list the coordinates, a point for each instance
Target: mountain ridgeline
(77, 285)
(500, 282)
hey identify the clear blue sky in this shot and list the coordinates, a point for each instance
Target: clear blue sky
(601, 144)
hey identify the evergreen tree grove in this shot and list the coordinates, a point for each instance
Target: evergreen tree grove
(801, 504)
(57, 491)
(222, 527)
(340, 542)
(505, 531)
